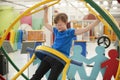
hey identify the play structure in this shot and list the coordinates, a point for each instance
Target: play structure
(103, 15)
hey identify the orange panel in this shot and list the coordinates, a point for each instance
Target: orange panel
(109, 32)
(36, 35)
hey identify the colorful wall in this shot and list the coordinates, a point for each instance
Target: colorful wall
(7, 16)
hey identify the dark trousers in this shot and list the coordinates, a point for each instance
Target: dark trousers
(46, 64)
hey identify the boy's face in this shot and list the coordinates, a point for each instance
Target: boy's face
(61, 26)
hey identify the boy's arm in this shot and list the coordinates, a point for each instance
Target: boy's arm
(46, 24)
(83, 30)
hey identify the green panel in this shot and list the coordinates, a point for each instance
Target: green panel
(5, 7)
(7, 16)
(105, 16)
(37, 23)
(16, 40)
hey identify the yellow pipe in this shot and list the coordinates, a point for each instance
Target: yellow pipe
(95, 13)
(58, 54)
(113, 19)
(102, 20)
(55, 2)
(65, 71)
(117, 77)
(23, 69)
(19, 17)
(54, 52)
(11, 26)
(105, 23)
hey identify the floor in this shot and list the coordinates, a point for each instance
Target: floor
(21, 59)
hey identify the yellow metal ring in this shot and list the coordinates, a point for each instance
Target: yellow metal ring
(58, 54)
(54, 52)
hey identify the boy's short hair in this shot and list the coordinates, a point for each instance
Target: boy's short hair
(61, 16)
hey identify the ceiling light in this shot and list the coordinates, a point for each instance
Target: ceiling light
(105, 3)
(106, 7)
(114, 7)
(75, 4)
(81, 9)
(63, 4)
(56, 5)
(98, 2)
(114, 2)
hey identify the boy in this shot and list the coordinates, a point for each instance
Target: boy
(62, 42)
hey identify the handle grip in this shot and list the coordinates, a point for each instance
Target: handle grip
(76, 63)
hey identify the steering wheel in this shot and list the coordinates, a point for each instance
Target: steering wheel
(104, 41)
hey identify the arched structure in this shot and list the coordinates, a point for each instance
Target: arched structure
(101, 13)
